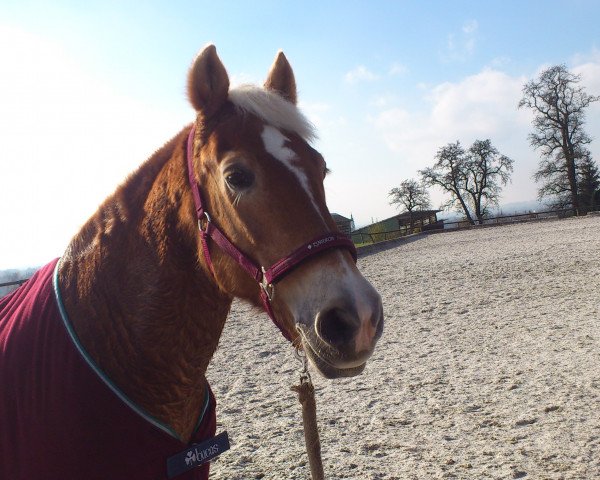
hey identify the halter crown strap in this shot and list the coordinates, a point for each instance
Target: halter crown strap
(265, 277)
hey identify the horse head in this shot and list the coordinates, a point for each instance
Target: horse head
(262, 186)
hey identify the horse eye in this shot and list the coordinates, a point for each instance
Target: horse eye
(239, 179)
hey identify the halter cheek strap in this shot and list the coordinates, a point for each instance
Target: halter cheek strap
(266, 278)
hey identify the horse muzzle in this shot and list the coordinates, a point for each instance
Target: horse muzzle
(341, 340)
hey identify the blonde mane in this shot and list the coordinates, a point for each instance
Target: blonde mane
(272, 109)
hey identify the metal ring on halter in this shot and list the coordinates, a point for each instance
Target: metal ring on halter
(268, 288)
(207, 217)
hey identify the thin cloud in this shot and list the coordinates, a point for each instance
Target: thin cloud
(397, 69)
(478, 107)
(590, 57)
(588, 66)
(470, 27)
(320, 114)
(364, 74)
(500, 62)
(386, 100)
(461, 46)
(360, 74)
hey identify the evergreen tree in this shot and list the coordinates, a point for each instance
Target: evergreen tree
(589, 185)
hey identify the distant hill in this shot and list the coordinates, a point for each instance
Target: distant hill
(510, 208)
(521, 207)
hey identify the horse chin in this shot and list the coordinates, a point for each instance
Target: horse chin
(327, 369)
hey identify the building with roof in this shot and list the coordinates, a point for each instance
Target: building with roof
(346, 225)
(398, 226)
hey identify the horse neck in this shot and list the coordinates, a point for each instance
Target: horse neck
(143, 306)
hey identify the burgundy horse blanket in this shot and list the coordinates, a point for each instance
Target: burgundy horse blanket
(60, 418)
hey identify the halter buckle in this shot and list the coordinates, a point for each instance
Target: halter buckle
(206, 217)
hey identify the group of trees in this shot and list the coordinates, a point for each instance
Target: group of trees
(474, 177)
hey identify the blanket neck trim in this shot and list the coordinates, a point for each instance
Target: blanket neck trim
(109, 383)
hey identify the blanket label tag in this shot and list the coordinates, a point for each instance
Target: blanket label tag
(197, 454)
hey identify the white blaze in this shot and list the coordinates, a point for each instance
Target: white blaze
(274, 142)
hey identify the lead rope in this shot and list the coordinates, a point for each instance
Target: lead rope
(306, 396)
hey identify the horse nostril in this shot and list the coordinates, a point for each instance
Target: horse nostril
(336, 327)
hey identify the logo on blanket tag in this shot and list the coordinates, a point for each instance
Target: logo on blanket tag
(197, 455)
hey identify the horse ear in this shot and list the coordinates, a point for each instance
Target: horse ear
(281, 78)
(208, 82)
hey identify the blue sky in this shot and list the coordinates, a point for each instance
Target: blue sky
(88, 90)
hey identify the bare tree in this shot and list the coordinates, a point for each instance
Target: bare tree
(474, 178)
(487, 170)
(410, 195)
(559, 115)
(450, 174)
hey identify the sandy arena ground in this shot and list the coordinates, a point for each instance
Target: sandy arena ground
(489, 367)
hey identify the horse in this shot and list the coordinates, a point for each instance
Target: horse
(103, 352)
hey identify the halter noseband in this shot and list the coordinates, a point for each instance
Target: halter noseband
(266, 278)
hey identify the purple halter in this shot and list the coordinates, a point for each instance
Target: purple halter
(266, 278)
